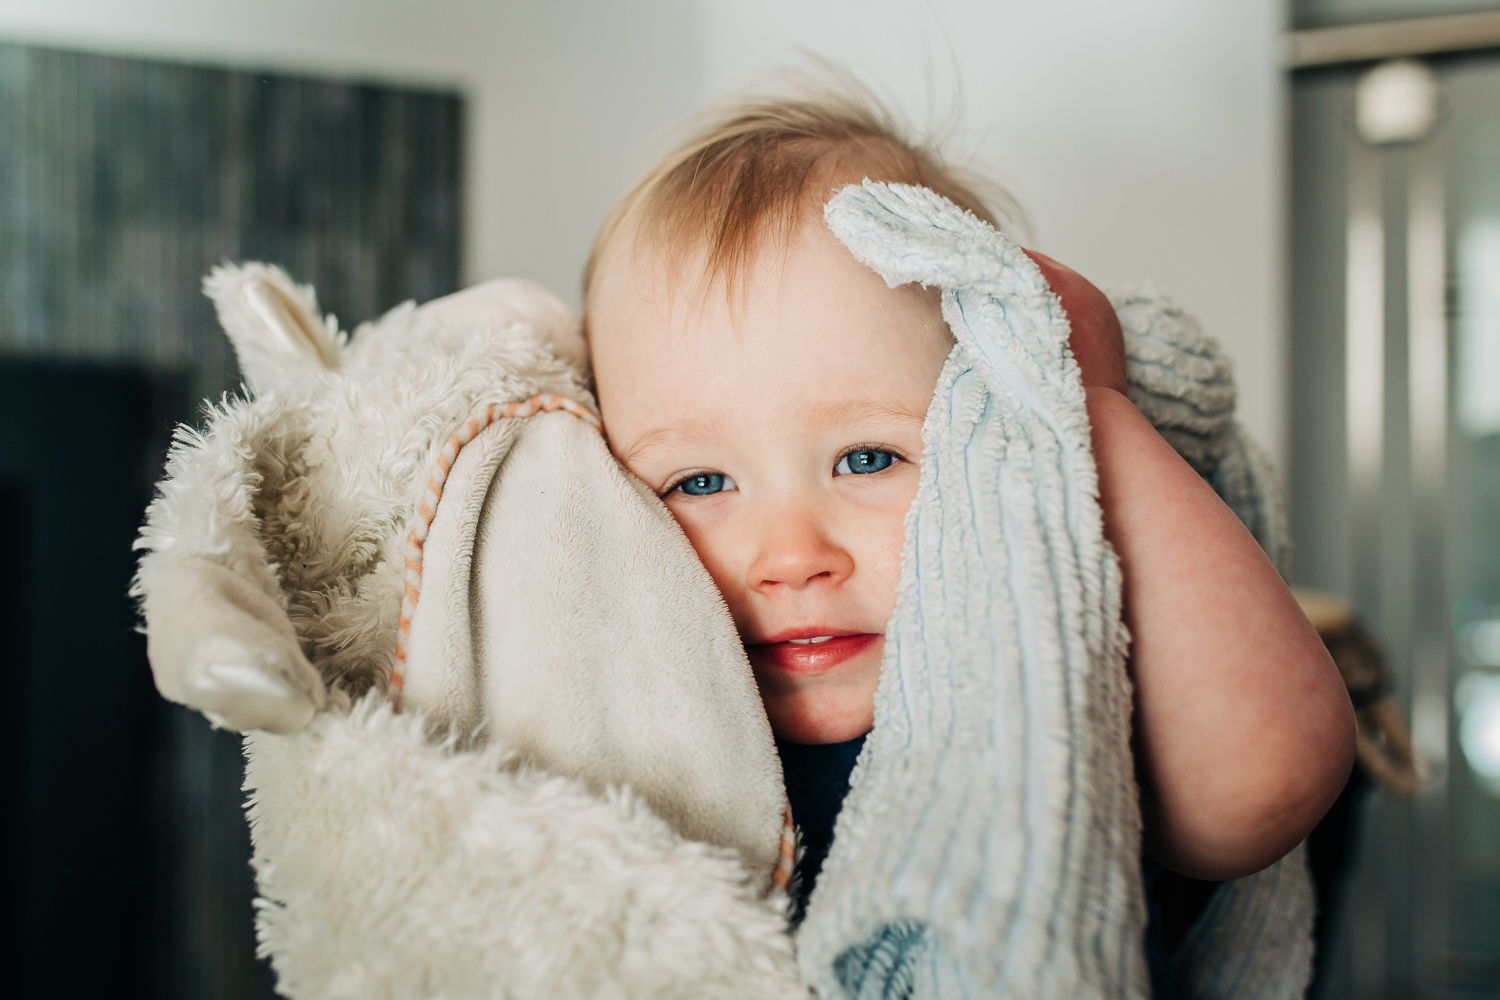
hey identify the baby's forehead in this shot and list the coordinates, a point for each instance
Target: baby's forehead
(680, 283)
(815, 347)
(800, 296)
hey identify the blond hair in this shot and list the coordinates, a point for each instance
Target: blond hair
(749, 170)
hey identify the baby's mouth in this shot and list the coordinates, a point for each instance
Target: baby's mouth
(810, 653)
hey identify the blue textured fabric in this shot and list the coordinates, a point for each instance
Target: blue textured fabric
(994, 801)
(885, 967)
(990, 841)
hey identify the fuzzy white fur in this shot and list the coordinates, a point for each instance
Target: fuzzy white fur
(460, 850)
(394, 867)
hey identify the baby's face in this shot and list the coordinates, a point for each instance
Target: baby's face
(784, 435)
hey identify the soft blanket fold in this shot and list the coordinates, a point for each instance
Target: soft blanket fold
(578, 795)
(537, 625)
(994, 802)
(990, 842)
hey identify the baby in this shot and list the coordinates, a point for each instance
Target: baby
(772, 391)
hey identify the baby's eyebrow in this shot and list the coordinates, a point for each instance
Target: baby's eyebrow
(686, 431)
(851, 411)
(692, 430)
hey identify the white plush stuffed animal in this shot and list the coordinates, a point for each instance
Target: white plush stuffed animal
(489, 761)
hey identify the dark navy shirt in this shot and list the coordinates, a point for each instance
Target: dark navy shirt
(817, 779)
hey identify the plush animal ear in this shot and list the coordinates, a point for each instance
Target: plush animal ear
(498, 303)
(277, 332)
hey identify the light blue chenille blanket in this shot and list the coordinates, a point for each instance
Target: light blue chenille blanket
(990, 842)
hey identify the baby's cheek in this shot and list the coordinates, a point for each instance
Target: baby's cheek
(716, 548)
(886, 539)
(888, 563)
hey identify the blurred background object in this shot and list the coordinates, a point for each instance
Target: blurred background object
(1384, 759)
(1383, 742)
(1318, 180)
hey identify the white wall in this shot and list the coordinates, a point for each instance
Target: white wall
(1143, 139)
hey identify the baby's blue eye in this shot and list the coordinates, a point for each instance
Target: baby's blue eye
(864, 462)
(706, 484)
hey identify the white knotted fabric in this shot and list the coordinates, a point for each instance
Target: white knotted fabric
(990, 842)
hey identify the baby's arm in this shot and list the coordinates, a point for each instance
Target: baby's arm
(1244, 734)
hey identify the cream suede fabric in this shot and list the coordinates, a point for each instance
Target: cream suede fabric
(541, 620)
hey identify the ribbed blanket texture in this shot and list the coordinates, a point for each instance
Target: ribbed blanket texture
(990, 843)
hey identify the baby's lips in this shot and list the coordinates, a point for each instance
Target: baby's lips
(809, 632)
(791, 658)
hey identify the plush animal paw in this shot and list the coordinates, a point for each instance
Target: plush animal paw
(224, 647)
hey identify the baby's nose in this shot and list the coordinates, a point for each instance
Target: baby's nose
(796, 552)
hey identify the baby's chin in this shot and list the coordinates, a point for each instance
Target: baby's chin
(816, 718)
(831, 704)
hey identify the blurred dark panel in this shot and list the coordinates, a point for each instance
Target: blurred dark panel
(72, 450)
(13, 511)
(121, 183)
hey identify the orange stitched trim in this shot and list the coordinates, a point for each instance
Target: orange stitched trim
(781, 875)
(416, 538)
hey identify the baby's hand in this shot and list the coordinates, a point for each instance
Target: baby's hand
(1097, 341)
